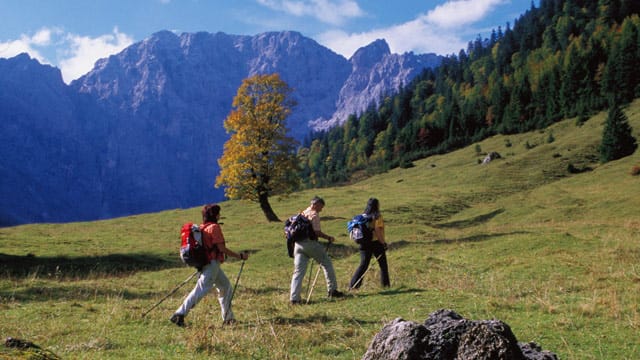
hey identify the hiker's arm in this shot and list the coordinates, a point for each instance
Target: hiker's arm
(379, 230)
(320, 234)
(223, 249)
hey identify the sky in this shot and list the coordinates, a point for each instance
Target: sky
(73, 34)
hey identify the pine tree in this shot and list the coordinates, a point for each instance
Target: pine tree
(617, 140)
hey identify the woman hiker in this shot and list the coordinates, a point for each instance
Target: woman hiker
(211, 274)
(376, 247)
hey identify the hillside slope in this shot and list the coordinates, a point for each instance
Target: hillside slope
(554, 254)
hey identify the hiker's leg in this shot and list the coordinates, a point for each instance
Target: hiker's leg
(319, 254)
(300, 261)
(381, 254)
(223, 286)
(357, 278)
(204, 284)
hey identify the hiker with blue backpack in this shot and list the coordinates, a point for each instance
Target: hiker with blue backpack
(211, 274)
(371, 242)
(310, 248)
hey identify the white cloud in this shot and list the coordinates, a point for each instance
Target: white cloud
(28, 44)
(76, 54)
(84, 51)
(327, 11)
(440, 30)
(461, 12)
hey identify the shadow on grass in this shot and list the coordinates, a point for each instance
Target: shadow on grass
(63, 267)
(79, 293)
(313, 319)
(340, 251)
(387, 292)
(469, 222)
(329, 218)
(476, 238)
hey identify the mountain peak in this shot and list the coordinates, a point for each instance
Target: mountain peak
(134, 118)
(368, 55)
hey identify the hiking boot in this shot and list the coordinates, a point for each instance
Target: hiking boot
(229, 322)
(295, 302)
(335, 294)
(177, 319)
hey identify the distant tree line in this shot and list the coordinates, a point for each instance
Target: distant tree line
(562, 59)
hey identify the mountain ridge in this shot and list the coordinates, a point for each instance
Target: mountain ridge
(143, 129)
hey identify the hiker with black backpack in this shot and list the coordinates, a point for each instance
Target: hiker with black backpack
(372, 245)
(310, 248)
(211, 274)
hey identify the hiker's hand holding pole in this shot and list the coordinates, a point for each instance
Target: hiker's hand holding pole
(243, 255)
(320, 234)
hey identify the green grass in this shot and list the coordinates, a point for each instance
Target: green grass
(555, 255)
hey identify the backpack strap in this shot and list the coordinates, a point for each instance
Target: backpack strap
(204, 226)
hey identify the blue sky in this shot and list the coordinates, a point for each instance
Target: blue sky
(73, 34)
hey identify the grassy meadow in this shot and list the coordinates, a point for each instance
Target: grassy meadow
(555, 254)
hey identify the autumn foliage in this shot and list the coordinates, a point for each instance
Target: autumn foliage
(259, 158)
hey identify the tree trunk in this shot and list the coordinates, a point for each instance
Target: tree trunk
(266, 208)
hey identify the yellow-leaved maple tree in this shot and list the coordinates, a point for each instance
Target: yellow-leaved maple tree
(259, 158)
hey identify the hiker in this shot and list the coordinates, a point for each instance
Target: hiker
(211, 274)
(311, 248)
(376, 247)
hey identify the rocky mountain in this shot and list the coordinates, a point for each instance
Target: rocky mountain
(143, 130)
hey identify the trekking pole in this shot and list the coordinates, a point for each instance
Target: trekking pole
(310, 272)
(171, 293)
(313, 285)
(234, 289)
(326, 249)
(367, 269)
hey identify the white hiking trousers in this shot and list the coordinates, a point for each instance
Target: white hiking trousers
(211, 276)
(302, 252)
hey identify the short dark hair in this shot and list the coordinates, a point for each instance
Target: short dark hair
(316, 200)
(210, 213)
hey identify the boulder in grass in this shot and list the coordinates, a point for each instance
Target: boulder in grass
(446, 335)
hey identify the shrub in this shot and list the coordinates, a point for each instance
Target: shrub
(635, 170)
(617, 140)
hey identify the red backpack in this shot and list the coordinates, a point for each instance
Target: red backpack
(192, 250)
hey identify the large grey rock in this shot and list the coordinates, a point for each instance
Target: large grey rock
(399, 340)
(446, 335)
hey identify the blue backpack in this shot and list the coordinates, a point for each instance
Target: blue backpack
(359, 230)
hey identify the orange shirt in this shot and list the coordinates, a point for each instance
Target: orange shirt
(211, 236)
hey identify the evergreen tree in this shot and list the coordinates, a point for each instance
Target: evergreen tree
(617, 140)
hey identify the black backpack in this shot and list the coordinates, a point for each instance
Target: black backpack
(297, 228)
(359, 230)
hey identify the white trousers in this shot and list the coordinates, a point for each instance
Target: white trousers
(302, 252)
(211, 276)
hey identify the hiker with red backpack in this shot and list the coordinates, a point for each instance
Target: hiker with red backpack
(211, 274)
(375, 246)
